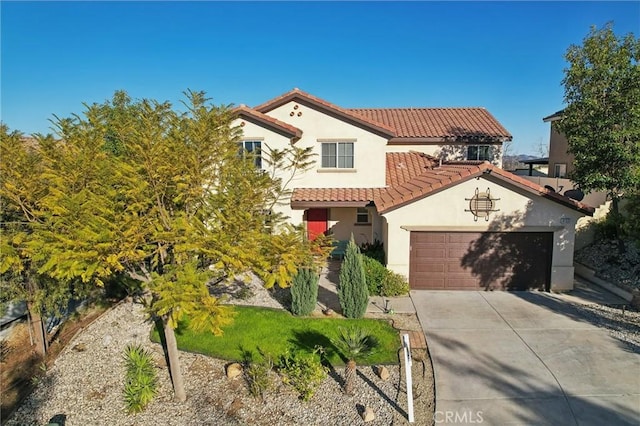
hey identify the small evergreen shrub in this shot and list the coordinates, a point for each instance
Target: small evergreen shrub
(606, 228)
(257, 375)
(631, 210)
(393, 285)
(374, 272)
(304, 292)
(352, 291)
(303, 371)
(381, 281)
(374, 250)
(141, 382)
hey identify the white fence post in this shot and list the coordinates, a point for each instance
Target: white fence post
(407, 370)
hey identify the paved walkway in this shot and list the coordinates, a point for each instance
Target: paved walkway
(526, 358)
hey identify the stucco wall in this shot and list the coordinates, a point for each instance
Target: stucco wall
(369, 148)
(558, 151)
(273, 140)
(519, 211)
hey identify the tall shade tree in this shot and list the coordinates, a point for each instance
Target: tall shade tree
(602, 117)
(165, 198)
(22, 189)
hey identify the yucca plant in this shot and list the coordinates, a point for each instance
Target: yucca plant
(354, 343)
(141, 380)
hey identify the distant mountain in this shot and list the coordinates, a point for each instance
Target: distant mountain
(525, 157)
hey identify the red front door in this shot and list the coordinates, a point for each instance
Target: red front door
(316, 222)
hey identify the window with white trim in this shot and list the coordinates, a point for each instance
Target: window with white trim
(252, 149)
(479, 152)
(362, 215)
(337, 155)
(560, 170)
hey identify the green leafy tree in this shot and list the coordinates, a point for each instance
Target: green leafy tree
(602, 117)
(162, 196)
(22, 189)
(304, 291)
(352, 291)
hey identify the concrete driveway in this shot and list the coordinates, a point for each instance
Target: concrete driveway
(526, 358)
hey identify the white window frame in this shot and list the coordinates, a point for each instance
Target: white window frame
(335, 159)
(479, 149)
(245, 150)
(363, 212)
(560, 170)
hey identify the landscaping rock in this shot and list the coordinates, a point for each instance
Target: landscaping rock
(87, 387)
(328, 312)
(382, 372)
(234, 370)
(368, 415)
(106, 341)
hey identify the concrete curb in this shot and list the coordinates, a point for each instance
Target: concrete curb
(590, 275)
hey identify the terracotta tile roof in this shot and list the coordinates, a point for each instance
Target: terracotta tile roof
(299, 95)
(334, 196)
(413, 175)
(447, 123)
(402, 123)
(252, 115)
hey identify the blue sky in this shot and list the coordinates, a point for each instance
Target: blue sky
(505, 56)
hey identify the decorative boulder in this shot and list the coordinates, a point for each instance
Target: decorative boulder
(368, 415)
(234, 370)
(382, 372)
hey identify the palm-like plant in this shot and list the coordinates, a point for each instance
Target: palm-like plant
(354, 343)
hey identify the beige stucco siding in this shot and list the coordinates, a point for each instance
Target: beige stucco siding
(519, 211)
(273, 140)
(369, 148)
(558, 154)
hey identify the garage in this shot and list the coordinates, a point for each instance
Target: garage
(480, 260)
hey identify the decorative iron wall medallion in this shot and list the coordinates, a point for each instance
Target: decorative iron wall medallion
(481, 204)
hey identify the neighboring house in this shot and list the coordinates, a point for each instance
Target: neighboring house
(427, 183)
(536, 167)
(560, 161)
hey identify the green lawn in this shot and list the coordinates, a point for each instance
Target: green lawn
(274, 331)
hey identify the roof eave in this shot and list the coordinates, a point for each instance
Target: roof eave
(263, 122)
(301, 205)
(326, 108)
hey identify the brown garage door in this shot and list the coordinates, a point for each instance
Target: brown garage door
(480, 260)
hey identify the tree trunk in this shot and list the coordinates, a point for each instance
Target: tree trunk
(349, 377)
(174, 362)
(617, 218)
(39, 330)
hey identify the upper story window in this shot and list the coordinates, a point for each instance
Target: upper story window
(560, 170)
(337, 155)
(479, 152)
(253, 149)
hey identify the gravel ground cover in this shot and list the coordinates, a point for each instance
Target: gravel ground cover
(84, 386)
(613, 267)
(622, 323)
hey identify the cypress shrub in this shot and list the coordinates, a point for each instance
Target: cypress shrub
(352, 291)
(304, 292)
